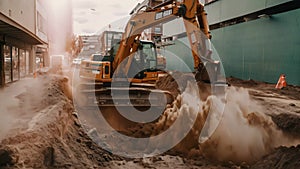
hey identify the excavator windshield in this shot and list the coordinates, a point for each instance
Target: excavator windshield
(146, 56)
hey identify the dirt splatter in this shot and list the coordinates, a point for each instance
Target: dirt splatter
(281, 157)
(245, 133)
(289, 123)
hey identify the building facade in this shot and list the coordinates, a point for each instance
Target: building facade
(23, 38)
(255, 39)
(41, 29)
(91, 45)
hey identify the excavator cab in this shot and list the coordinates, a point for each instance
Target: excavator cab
(144, 61)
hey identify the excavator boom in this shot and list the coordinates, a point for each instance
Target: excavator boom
(195, 21)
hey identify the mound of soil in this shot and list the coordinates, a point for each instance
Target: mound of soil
(289, 123)
(291, 91)
(177, 82)
(174, 83)
(281, 158)
(53, 137)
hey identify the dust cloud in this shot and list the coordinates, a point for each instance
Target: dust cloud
(9, 105)
(244, 132)
(19, 101)
(237, 128)
(6, 118)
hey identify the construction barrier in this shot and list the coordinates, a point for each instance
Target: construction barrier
(281, 82)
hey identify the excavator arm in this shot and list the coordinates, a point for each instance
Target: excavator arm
(144, 17)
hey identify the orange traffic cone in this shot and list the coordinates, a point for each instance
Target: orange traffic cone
(281, 82)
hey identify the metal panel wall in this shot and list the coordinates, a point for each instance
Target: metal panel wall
(179, 57)
(223, 10)
(262, 49)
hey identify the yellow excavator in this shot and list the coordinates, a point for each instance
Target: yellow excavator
(131, 67)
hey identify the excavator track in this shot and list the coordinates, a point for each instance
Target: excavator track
(110, 102)
(140, 96)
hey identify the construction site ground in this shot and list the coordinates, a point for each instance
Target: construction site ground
(39, 128)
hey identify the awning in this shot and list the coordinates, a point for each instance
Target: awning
(10, 28)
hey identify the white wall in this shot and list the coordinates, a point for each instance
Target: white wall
(42, 11)
(21, 11)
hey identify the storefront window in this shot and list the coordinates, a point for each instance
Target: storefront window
(27, 62)
(22, 63)
(15, 63)
(38, 61)
(7, 64)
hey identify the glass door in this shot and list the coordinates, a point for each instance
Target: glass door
(15, 63)
(7, 64)
(22, 63)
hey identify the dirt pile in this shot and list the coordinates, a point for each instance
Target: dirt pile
(244, 133)
(289, 123)
(174, 82)
(282, 157)
(53, 137)
(290, 92)
(48, 134)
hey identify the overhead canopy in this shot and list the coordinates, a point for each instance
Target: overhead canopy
(11, 28)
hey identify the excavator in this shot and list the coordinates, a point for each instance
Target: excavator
(126, 77)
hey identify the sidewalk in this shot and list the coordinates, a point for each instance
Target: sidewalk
(13, 109)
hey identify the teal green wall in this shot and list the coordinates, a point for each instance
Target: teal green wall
(261, 49)
(179, 56)
(223, 10)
